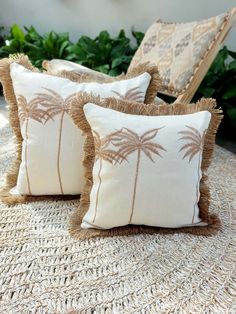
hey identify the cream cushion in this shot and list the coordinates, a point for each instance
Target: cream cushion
(65, 68)
(147, 169)
(145, 166)
(52, 145)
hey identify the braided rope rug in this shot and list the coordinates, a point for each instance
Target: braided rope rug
(43, 270)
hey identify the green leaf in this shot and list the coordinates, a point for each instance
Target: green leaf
(121, 34)
(76, 53)
(115, 72)
(103, 37)
(102, 68)
(120, 60)
(33, 47)
(232, 54)
(230, 90)
(120, 49)
(219, 64)
(232, 65)
(116, 62)
(206, 91)
(138, 36)
(88, 44)
(17, 33)
(63, 47)
(232, 115)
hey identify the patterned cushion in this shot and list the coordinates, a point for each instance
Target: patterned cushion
(177, 49)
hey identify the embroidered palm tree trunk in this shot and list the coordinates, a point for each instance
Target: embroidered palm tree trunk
(135, 186)
(59, 153)
(26, 156)
(129, 142)
(29, 110)
(197, 187)
(99, 186)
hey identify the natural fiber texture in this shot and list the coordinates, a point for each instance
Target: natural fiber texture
(79, 118)
(44, 270)
(12, 171)
(154, 86)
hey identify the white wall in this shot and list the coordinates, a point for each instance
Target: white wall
(89, 17)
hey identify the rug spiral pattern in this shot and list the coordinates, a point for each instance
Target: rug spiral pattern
(44, 270)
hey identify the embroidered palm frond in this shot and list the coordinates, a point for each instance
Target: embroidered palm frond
(194, 142)
(31, 110)
(194, 146)
(128, 141)
(134, 94)
(101, 148)
(54, 103)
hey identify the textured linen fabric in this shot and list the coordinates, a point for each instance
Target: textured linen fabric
(177, 49)
(147, 169)
(52, 145)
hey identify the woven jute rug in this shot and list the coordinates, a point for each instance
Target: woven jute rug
(44, 270)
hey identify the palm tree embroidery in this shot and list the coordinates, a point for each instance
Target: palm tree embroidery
(194, 146)
(129, 142)
(56, 105)
(133, 94)
(26, 111)
(102, 152)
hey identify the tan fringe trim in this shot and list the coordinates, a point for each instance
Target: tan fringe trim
(154, 87)
(12, 173)
(79, 118)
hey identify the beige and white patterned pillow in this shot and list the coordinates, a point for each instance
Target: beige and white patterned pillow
(144, 165)
(50, 149)
(177, 49)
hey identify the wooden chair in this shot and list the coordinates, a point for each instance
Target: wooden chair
(183, 52)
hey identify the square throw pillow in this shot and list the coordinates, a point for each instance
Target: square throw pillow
(78, 73)
(49, 145)
(145, 166)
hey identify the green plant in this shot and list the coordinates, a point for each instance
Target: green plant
(220, 83)
(105, 54)
(50, 45)
(1, 36)
(38, 48)
(14, 42)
